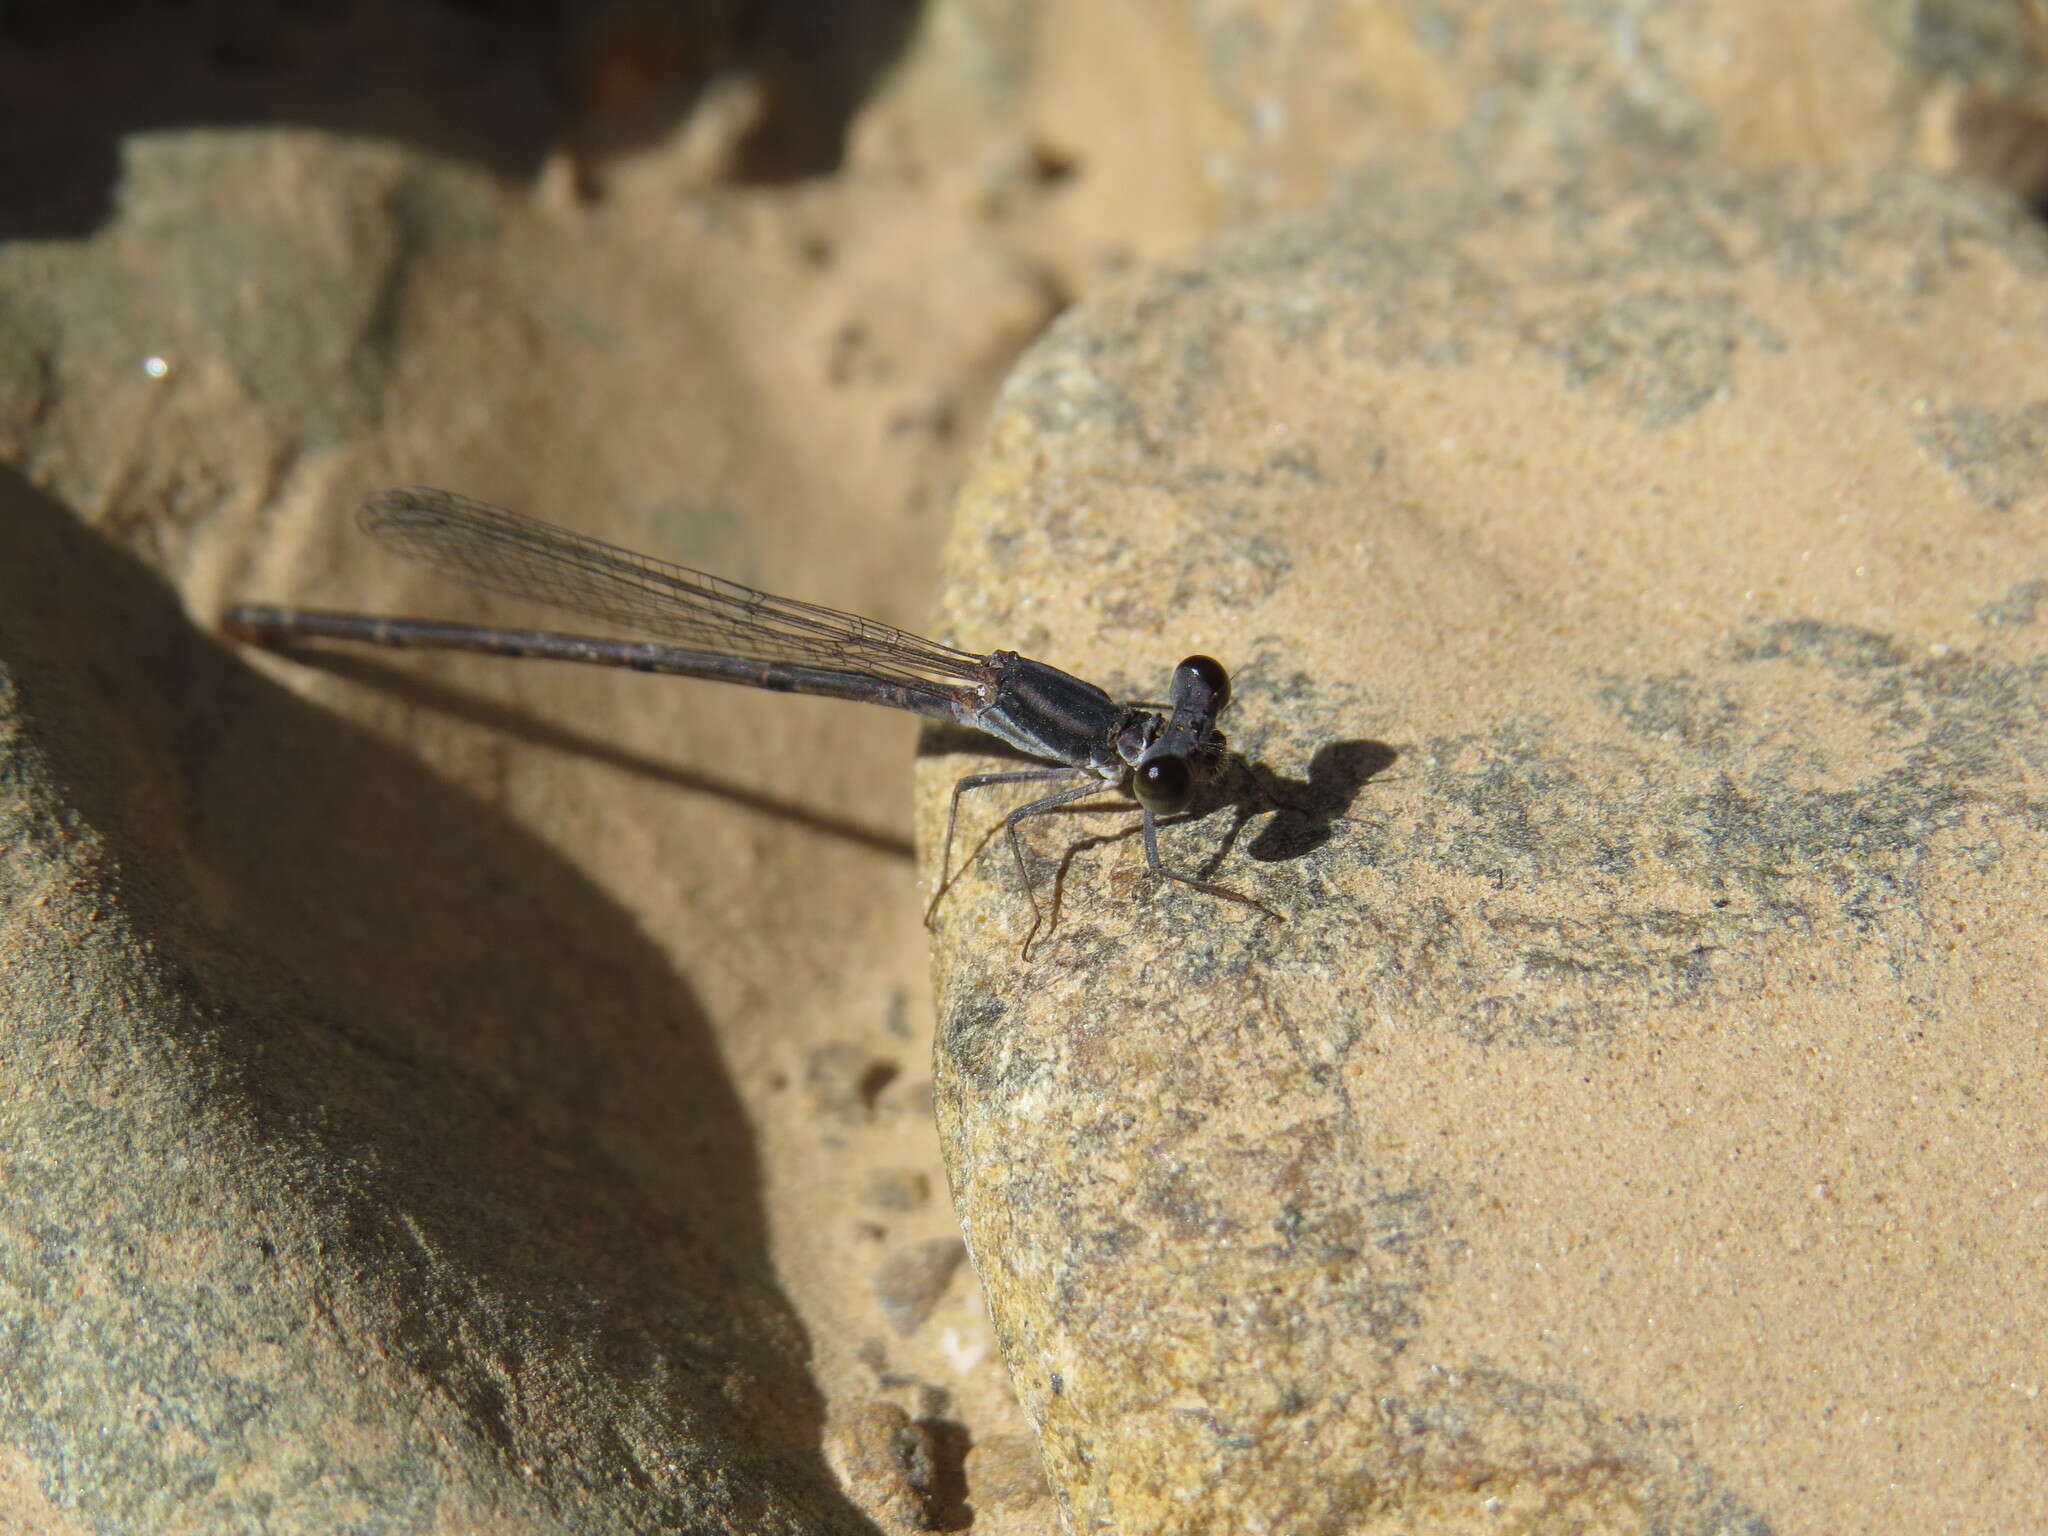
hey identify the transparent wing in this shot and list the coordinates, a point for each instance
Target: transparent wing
(485, 546)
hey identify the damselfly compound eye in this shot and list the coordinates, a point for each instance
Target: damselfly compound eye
(1210, 671)
(1163, 785)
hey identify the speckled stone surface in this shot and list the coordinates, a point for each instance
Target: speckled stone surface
(270, 1259)
(1636, 607)
(442, 1095)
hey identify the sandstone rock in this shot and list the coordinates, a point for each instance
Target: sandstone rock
(305, 1224)
(407, 1115)
(1635, 1124)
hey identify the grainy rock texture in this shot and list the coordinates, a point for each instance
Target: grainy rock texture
(1638, 1121)
(441, 1095)
(438, 1095)
(271, 1255)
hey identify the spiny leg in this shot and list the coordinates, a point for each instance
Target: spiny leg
(982, 781)
(1095, 786)
(1149, 828)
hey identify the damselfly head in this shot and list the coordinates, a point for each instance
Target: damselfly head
(1187, 743)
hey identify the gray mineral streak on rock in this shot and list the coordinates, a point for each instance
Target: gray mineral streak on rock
(1647, 731)
(2001, 457)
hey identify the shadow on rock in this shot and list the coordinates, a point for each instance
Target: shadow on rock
(477, 709)
(372, 1059)
(1309, 809)
(498, 86)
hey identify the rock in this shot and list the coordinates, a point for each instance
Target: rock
(304, 1223)
(1641, 694)
(911, 1281)
(844, 1081)
(446, 1094)
(896, 1190)
(1005, 1472)
(905, 1472)
(405, 1101)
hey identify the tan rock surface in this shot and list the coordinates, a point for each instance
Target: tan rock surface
(437, 1086)
(1638, 1121)
(458, 1095)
